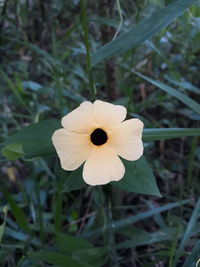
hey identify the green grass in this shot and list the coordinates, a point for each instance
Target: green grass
(53, 56)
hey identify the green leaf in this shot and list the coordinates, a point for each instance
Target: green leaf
(194, 258)
(168, 133)
(12, 151)
(138, 178)
(36, 138)
(69, 244)
(74, 181)
(18, 213)
(180, 96)
(58, 259)
(143, 31)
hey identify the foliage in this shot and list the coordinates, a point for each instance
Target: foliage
(141, 54)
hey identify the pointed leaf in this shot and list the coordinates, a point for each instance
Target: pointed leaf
(138, 178)
(74, 181)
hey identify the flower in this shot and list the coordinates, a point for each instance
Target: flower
(97, 135)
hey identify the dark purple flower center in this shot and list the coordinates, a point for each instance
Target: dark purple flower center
(98, 137)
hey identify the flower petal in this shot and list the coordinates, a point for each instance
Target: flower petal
(72, 148)
(125, 139)
(108, 115)
(80, 119)
(102, 167)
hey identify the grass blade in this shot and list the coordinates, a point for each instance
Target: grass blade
(184, 84)
(188, 232)
(18, 213)
(142, 31)
(193, 259)
(142, 238)
(171, 91)
(116, 225)
(15, 90)
(168, 133)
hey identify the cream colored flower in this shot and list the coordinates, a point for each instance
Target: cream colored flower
(97, 135)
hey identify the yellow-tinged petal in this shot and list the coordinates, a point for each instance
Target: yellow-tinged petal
(81, 119)
(72, 148)
(125, 139)
(103, 166)
(108, 115)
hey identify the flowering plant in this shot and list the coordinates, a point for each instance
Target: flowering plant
(97, 135)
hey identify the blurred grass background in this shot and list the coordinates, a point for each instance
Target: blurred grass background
(44, 74)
